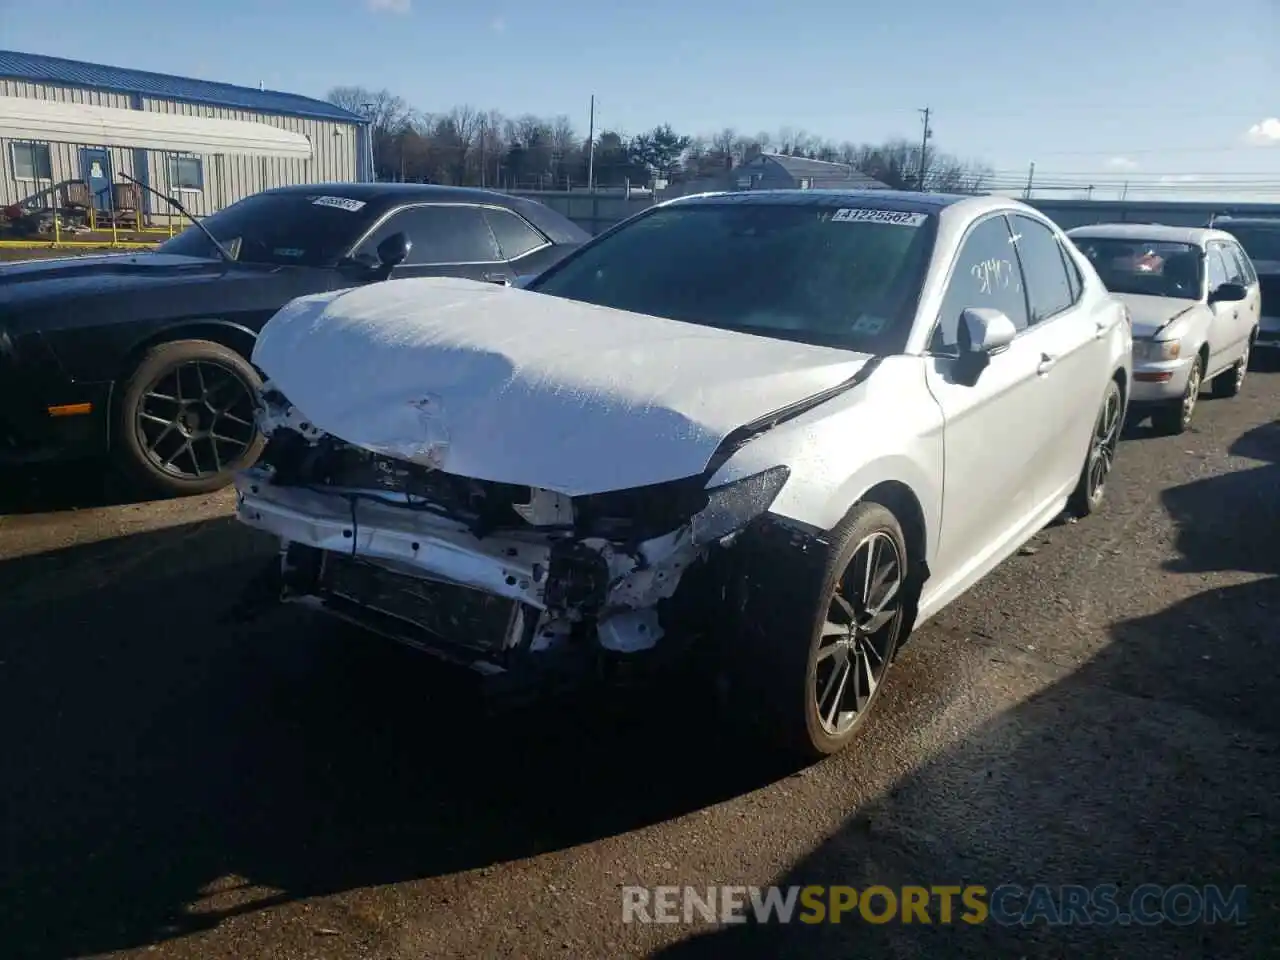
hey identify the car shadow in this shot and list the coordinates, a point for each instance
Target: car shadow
(1154, 762)
(68, 486)
(152, 750)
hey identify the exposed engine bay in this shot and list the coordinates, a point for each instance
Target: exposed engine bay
(480, 572)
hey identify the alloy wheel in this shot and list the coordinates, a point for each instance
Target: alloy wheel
(1242, 368)
(1106, 437)
(196, 419)
(1192, 396)
(863, 615)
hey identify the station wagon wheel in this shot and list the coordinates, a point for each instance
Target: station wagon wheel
(187, 417)
(857, 639)
(1177, 416)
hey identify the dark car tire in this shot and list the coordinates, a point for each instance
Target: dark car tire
(1175, 418)
(1091, 488)
(229, 384)
(777, 664)
(1229, 383)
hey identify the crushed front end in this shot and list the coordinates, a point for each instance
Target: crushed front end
(502, 578)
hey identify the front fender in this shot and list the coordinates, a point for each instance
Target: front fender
(887, 429)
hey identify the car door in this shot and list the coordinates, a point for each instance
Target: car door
(1074, 344)
(1250, 309)
(995, 429)
(1222, 336)
(448, 240)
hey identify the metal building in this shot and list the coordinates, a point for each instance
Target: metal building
(68, 128)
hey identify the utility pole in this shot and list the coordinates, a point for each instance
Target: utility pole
(924, 145)
(1031, 176)
(367, 108)
(1125, 192)
(591, 146)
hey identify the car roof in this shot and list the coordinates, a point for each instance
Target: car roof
(904, 200)
(559, 228)
(1196, 236)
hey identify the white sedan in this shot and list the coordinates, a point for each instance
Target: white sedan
(771, 431)
(1195, 303)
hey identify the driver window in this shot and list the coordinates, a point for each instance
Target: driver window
(1235, 269)
(1218, 272)
(986, 275)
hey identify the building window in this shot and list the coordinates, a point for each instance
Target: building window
(186, 173)
(31, 161)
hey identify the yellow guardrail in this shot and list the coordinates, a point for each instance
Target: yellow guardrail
(58, 244)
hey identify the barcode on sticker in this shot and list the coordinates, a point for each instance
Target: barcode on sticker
(899, 218)
(342, 203)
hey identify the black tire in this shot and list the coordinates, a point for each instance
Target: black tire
(777, 662)
(227, 384)
(1176, 417)
(1228, 383)
(1091, 488)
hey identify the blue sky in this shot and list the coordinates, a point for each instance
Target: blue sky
(1104, 92)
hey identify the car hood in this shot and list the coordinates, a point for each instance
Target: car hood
(27, 280)
(1150, 314)
(507, 385)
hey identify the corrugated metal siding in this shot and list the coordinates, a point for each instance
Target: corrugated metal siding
(227, 178)
(64, 158)
(334, 158)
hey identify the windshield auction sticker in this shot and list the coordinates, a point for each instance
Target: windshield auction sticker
(342, 203)
(898, 218)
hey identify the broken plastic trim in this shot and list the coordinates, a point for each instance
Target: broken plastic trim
(732, 506)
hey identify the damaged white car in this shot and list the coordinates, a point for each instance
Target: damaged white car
(769, 430)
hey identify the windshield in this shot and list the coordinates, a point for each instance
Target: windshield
(1150, 267)
(287, 228)
(822, 275)
(1260, 243)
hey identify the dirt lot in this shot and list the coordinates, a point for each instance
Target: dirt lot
(1102, 709)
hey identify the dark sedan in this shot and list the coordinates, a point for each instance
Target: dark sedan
(146, 356)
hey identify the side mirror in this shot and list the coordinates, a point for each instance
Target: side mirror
(393, 251)
(1228, 293)
(983, 333)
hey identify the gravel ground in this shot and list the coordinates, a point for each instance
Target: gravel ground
(1099, 710)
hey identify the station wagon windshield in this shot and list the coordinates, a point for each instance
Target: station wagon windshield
(303, 229)
(825, 275)
(1150, 267)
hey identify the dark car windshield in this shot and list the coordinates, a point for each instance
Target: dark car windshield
(838, 277)
(1260, 243)
(290, 228)
(1151, 267)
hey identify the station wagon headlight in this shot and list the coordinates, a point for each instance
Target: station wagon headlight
(732, 506)
(1156, 351)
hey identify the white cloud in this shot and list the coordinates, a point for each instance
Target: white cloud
(497, 24)
(1179, 178)
(1122, 163)
(389, 6)
(1265, 133)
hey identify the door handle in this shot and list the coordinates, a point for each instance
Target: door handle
(499, 278)
(1046, 364)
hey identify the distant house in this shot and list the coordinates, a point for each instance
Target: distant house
(777, 171)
